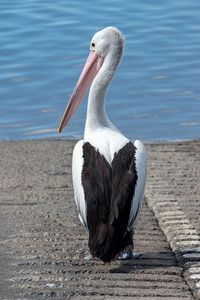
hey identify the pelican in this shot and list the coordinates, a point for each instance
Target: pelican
(108, 170)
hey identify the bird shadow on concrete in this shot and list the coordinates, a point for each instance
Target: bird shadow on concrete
(146, 261)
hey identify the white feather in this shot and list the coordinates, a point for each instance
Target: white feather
(141, 166)
(77, 165)
(106, 140)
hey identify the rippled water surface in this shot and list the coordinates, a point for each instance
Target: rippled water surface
(155, 94)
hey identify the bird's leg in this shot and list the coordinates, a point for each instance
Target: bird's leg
(129, 254)
(89, 257)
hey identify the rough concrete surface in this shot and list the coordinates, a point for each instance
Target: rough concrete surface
(173, 193)
(43, 244)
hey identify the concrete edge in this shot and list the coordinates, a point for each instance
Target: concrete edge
(182, 238)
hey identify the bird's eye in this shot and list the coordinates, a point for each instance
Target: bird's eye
(93, 45)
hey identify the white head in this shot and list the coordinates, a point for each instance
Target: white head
(106, 51)
(108, 41)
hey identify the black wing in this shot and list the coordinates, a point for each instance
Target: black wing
(108, 193)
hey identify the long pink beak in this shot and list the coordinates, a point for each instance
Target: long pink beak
(90, 70)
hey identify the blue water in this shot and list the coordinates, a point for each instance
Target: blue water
(155, 94)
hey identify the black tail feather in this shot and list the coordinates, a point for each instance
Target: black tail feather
(109, 243)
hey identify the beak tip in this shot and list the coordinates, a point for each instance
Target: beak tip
(59, 130)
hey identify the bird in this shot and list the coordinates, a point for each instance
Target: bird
(108, 170)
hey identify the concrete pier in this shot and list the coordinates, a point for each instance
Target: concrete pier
(43, 244)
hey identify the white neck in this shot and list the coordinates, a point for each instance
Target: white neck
(96, 113)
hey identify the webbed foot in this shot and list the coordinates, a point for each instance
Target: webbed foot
(89, 257)
(129, 255)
